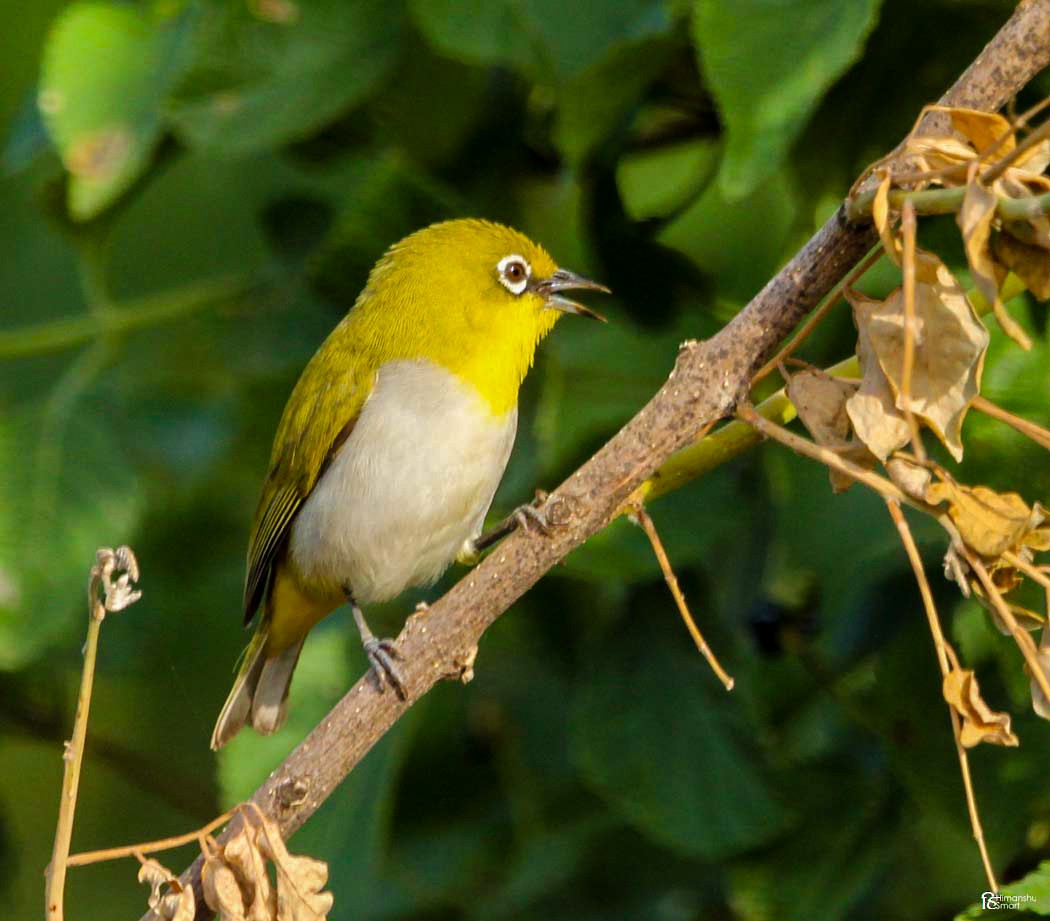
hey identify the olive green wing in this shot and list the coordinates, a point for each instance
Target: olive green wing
(321, 413)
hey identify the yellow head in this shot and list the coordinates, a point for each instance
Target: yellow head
(473, 296)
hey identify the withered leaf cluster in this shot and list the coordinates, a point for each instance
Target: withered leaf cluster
(921, 354)
(237, 883)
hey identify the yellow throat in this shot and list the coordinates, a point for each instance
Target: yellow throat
(439, 296)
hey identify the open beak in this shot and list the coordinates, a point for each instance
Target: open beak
(563, 280)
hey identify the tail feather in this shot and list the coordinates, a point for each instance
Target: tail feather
(238, 706)
(270, 698)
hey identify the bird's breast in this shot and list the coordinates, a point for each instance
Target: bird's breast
(410, 484)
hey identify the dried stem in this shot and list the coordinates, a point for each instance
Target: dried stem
(149, 847)
(822, 311)
(908, 361)
(1031, 430)
(884, 487)
(115, 595)
(643, 518)
(997, 169)
(1024, 642)
(944, 651)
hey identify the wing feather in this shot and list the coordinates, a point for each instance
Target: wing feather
(319, 417)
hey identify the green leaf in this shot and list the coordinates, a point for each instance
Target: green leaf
(1030, 894)
(65, 492)
(547, 39)
(106, 68)
(474, 31)
(259, 82)
(768, 63)
(653, 183)
(740, 243)
(595, 101)
(656, 736)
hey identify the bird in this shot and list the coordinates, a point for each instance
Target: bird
(392, 444)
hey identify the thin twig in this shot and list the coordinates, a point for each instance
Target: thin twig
(908, 361)
(1036, 137)
(1020, 635)
(1026, 427)
(944, 650)
(649, 527)
(884, 487)
(1033, 572)
(822, 311)
(104, 595)
(150, 847)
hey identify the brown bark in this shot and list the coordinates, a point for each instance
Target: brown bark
(705, 383)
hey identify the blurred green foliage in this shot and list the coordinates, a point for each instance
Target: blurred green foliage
(237, 167)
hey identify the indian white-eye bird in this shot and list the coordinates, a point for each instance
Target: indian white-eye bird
(392, 444)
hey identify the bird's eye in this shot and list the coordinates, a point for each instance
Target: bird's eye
(514, 273)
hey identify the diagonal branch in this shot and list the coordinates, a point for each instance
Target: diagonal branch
(706, 382)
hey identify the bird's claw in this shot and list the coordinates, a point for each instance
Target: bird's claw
(533, 513)
(382, 656)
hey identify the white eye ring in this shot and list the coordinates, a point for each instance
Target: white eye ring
(504, 268)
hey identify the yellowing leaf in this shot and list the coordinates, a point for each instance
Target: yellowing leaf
(979, 722)
(880, 214)
(950, 343)
(1030, 263)
(982, 130)
(989, 522)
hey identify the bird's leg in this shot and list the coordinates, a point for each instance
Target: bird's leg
(382, 654)
(524, 517)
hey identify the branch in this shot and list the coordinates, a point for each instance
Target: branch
(707, 381)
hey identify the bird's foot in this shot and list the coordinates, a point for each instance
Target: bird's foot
(528, 517)
(383, 656)
(532, 513)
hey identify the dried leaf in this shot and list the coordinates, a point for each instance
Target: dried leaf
(241, 854)
(914, 479)
(175, 905)
(880, 214)
(950, 343)
(155, 875)
(933, 153)
(988, 522)
(982, 130)
(979, 722)
(975, 221)
(872, 410)
(1030, 263)
(222, 892)
(820, 400)
(299, 879)
(821, 404)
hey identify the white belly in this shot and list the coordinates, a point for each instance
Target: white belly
(412, 482)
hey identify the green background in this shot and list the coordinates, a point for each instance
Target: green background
(238, 166)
